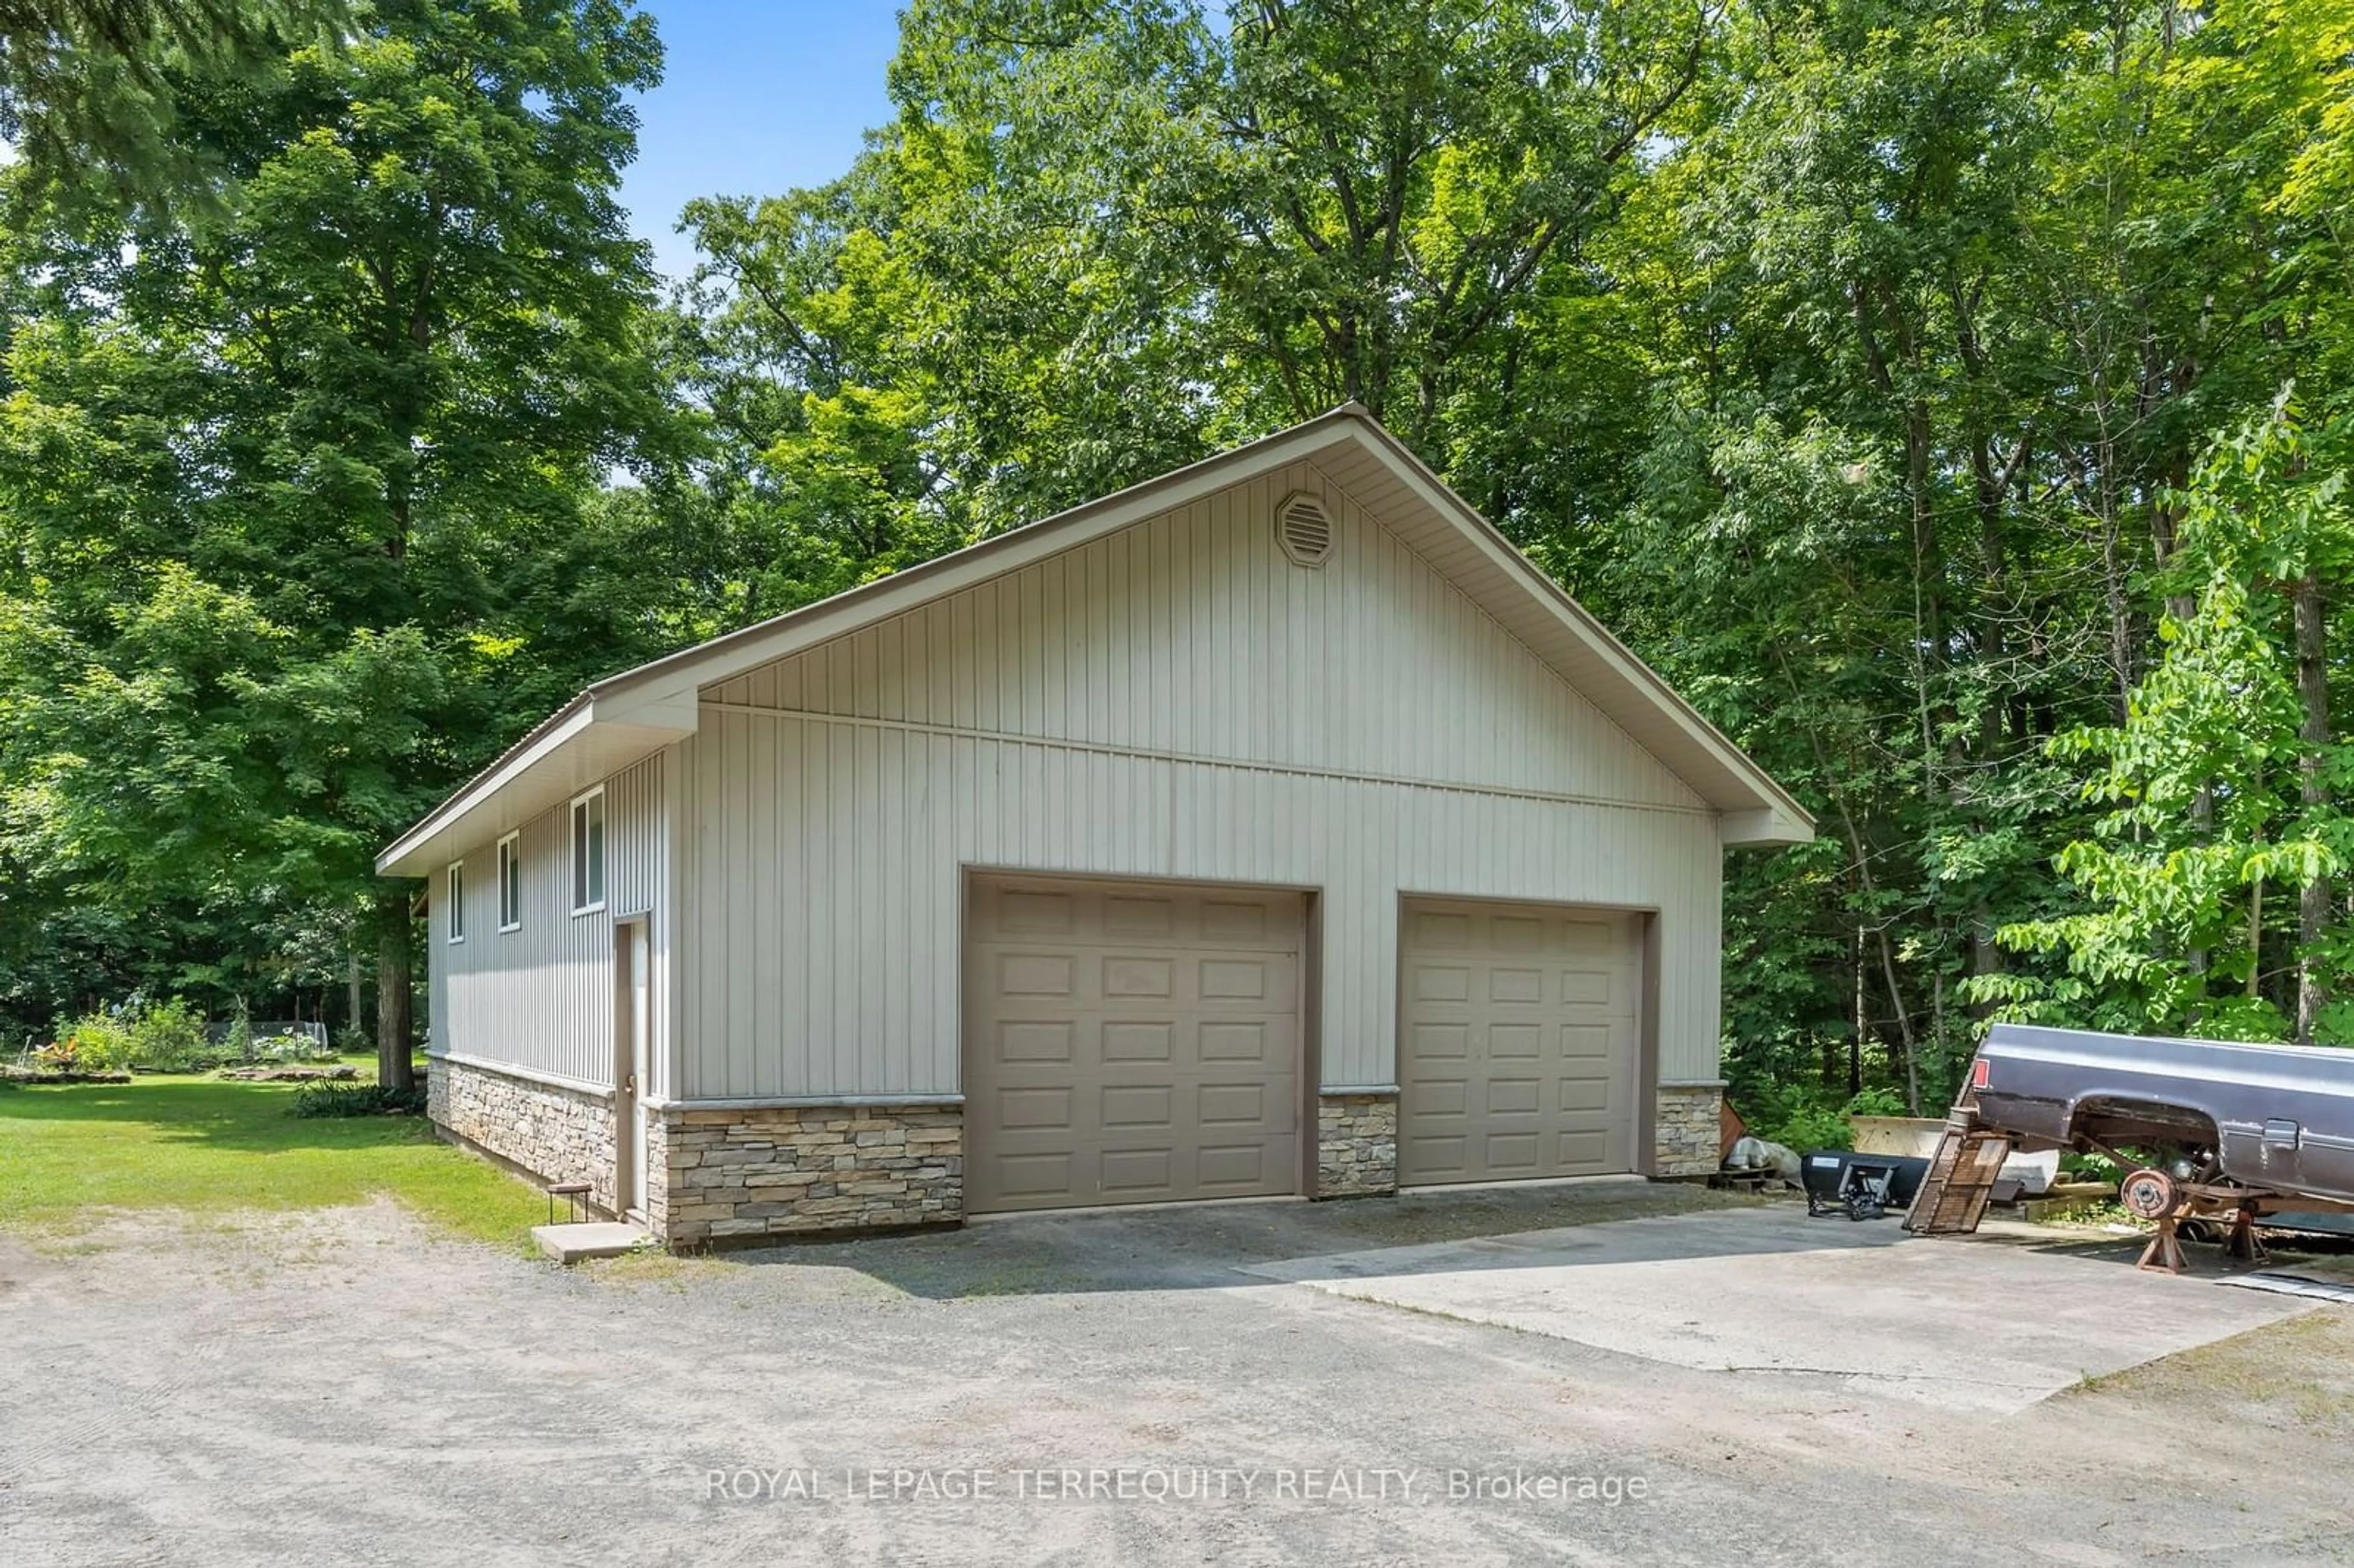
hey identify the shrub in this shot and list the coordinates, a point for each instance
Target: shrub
(160, 1036)
(1812, 1120)
(237, 1046)
(325, 1099)
(100, 1042)
(287, 1048)
(169, 1037)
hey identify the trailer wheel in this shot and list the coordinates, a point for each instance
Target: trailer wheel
(2147, 1195)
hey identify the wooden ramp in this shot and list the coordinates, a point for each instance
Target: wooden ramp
(1953, 1195)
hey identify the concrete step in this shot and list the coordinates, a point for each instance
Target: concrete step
(598, 1238)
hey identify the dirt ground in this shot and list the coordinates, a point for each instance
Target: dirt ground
(344, 1386)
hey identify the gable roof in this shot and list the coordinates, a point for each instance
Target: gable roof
(627, 717)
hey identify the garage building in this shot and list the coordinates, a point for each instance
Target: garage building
(1271, 828)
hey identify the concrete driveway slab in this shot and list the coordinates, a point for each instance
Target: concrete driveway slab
(1994, 1322)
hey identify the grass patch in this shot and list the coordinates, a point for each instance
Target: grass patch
(2299, 1370)
(652, 1265)
(71, 1153)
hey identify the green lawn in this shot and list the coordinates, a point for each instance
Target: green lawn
(70, 1152)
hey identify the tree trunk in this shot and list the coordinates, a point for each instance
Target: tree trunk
(1855, 1040)
(2313, 735)
(2255, 937)
(393, 1015)
(352, 980)
(1903, 1027)
(2181, 607)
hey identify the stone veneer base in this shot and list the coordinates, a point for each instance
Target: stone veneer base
(738, 1176)
(548, 1132)
(1688, 1133)
(1356, 1145)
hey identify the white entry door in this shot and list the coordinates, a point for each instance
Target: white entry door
(633, 1035)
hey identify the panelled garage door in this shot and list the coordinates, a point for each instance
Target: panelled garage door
(1517, 1041)
(1129, 1044)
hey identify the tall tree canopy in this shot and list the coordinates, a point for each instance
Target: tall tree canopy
(302, 506)
(1951, 400)
(90, 90)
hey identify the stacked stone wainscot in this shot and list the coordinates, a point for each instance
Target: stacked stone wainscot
(1688, 1129)
(1356, 1145)
(732, 1174)
(552, 1132)
(721, 1175)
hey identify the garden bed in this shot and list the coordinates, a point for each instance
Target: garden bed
(13, 1074)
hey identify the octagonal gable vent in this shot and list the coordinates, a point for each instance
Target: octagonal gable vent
(1304, 528)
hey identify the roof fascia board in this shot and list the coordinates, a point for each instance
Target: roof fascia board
(1743, 830)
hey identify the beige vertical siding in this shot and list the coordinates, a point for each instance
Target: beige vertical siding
(1176, 701)
(1192, 635)
(540, 998)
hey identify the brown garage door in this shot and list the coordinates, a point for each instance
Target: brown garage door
(1129, 1044)
(1517, 1041)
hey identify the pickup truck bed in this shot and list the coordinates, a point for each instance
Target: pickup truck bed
(2270, 1119)
(2277, 1118)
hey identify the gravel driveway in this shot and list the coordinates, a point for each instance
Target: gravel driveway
(342, 1387)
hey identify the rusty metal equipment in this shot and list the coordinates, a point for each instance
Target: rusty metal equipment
(2203, 1210)
(1954, 1195)
(2148, 1194)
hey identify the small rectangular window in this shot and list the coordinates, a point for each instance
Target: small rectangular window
(589, 852)
(510, 882)
(457, 901)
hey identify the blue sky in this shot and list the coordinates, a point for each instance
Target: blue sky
(758, 96)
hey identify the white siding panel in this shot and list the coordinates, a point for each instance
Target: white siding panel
(540, 996)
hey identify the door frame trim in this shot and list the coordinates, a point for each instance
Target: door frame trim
(629, 1157)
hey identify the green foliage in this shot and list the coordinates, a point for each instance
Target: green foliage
(238, 1043)
(102, 1043)
(1803, 1119)
(295, 1047)
(165, 1037)
(1848, 361)
(2202, 787)
(90, 90)
(1900, 380)
(168, 1036)
(302, 506)
(330, 1099)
